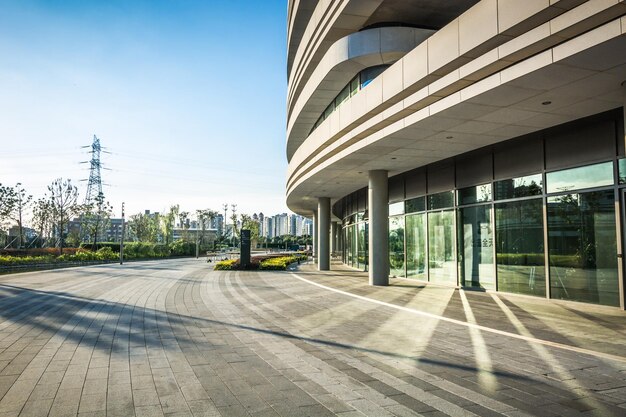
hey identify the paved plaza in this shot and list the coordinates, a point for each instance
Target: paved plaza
(175, 338)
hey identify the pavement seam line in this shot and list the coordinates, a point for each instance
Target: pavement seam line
(469, 325)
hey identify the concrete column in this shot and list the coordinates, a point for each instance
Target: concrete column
(323, 238)
(333, 237)
(314, 235)
(378, 208)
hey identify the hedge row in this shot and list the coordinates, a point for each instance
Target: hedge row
(104, 254)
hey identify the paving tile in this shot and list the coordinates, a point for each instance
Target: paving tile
(188, 341)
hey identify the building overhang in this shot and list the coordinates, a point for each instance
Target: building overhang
(577, 78)
(346, 58)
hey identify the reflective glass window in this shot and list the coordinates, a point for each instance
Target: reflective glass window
(526, 186)
(414, 205)
(369, 74)
(329, 110)
(361, 237)
(582, 247)
(441, 200)
(477, 194)
(476, 247)
(416, 246)
(520, 247)
(441, 247)
(396, 246)
(349, 245)
(354, 86)
(342, 96)
(621, 165)
(396, 208)
(597, 175)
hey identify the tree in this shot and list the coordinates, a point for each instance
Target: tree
(63, 203)
(233, 218)
(13, 203)
(95, 218)
(7, 202)
(144, 227)
(168, 223)
(249, 223)
(183, 218)
(205, 216)
(42, 218)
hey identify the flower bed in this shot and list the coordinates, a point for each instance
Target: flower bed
(265, 263)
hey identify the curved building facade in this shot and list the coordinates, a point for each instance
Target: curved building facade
(471, 143)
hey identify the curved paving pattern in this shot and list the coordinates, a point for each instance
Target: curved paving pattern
(175, 338)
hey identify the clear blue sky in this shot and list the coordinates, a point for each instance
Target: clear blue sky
(188, 96)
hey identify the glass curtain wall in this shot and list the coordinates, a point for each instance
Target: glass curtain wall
(582, 247)
(476, 247)
(519, 247)
(441, 247)
(498, 233)
(416, 246)
(361, 244)
(396, 246)
(582, 239)
(349, 244)
(355, 245)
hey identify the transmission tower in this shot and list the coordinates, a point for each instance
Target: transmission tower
(94, 186)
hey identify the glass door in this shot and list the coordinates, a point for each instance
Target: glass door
(475, 236)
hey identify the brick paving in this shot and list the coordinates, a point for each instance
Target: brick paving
(174, 338)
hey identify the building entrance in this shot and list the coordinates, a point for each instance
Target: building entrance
(476, 263)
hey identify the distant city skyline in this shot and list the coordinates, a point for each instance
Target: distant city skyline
(162, 84)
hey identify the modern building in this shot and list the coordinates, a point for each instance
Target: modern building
(469, 143)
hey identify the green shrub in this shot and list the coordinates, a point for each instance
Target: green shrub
(181, 248)
(274, 264)
(107, 254)
(26, 260)
(280, 263)
(227, 265)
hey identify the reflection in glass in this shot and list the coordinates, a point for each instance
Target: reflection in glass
(441, 247)
(441, 200)
(597, 175)
(519, 187)
(416, 246)
(362, 245)
(476, 247)
(396, 208)
(519, 247)
(471, 195)
(396, 246)
(414, 205)
(621, 165)
(582, 244)
(369, 74)
(342, 96)
(349, 245)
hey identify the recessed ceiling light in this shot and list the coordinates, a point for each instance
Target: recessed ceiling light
(546, 103)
